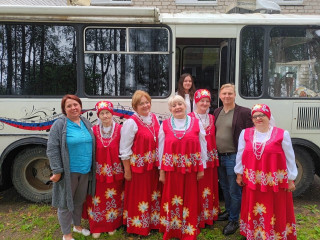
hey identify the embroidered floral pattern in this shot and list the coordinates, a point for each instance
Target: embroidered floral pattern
(143, 206)
(108, 170)
(96, 200)
(266, 179)
(189, 229)
(110, 193)
(175, 219)
(112, 214)
(259, 209)
(257, 230)
(212, 155)
(137, 160)
(179, 160)
(177, 200)
(155, 196)
(206, 192)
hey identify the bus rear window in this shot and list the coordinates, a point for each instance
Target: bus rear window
(280, 62)
(37, 60)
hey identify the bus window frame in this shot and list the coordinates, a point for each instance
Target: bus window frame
(75, 26)
(169, 52)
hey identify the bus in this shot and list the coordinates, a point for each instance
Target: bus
(109, 52)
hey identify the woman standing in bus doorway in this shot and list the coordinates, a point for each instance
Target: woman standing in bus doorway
(208, 186)
(186, 90)
(183, 154)
(105, 209)
(138, 148)
(265, 167)
(71, 152)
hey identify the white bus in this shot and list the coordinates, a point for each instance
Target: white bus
(109, 52)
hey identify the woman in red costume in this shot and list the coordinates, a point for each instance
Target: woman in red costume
(183, 154)
(208, 185)
(138, 148)
(265, 167)
(106, 207)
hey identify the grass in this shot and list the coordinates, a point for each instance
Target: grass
(39, 221)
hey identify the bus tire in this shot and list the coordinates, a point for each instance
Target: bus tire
(306, 170)
(31, 173)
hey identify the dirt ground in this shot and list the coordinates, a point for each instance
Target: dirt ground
(11, 201)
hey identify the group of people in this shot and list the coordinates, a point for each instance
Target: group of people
(148, 175)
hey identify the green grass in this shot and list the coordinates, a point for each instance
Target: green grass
(39, 221)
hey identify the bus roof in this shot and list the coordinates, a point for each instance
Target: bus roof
(79, 14)
(238, 19)
(113, 14)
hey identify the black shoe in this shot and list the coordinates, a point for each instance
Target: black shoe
(230, 228)
(223, 216)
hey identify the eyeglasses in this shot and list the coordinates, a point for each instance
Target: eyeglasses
(258, 116)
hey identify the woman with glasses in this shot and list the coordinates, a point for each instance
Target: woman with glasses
(266, 169)
(138, 148)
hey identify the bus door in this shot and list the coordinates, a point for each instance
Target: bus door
(209, 60)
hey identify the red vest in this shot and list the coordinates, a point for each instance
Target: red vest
(182, 155)
(144, 149)
(213, 160)
(108, 164)
(270, 172)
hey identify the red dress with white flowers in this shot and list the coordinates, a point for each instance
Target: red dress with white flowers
(143, 192)
(266, 209)
(105, 209)
(181, 162)
(208, 185)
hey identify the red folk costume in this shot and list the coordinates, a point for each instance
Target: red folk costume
(266, 208)
(181, 161)
(106, 207)
(142, 193)
(208, 186)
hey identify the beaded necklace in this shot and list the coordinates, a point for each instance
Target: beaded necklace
(108, 134)
(154, 131)
(205, 123)
(174, 126)
(258, 147)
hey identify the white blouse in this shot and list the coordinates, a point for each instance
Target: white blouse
(187, 99)
(286, 146)
(128, 132)
(180, 125)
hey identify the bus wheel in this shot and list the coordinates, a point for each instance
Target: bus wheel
(305, 171)
(31, 173)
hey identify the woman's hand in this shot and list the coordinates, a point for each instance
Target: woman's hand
(291, 186)
(55, 177)
(240, 180)
(127, 174)
(162, 177)
(127, 170)
(200, 175)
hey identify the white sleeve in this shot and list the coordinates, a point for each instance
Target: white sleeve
(128, 132)
(290, 157)
(241, 145)
(161, 137)
(203, 145)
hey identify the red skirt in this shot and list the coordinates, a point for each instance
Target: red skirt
(142, 202)
(267, 215)
(179, 214)
(105, 209)
(208, 201)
